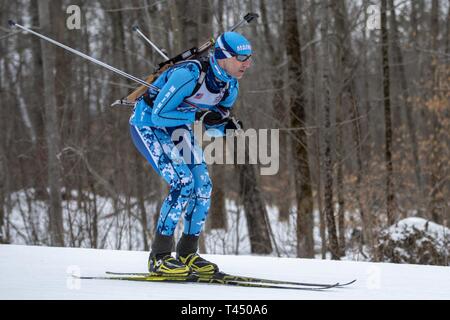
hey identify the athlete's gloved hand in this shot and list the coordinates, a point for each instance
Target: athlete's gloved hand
(210, 118)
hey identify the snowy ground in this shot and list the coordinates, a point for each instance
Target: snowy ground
(28, 272)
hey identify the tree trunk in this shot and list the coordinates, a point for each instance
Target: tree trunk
(117, 123)
(366, 88)
(333, 244)
(255, 209)
(189, 15)
(63, 73)
(340, 28)
(297, 106)
(436, 162)
(347, 89)
(37, 109)
(3, 159)
(219, 15)
(217, 218)
(398, 61)
(447, 38)
(3, 178)
(52, 134)
(387, 115)
(204, 26)
(313, 21)
(283, 199)
(140, 187)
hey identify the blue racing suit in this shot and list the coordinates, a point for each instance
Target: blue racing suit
(162, 122)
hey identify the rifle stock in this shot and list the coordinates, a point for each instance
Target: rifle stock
(189, 54)
(141, 90)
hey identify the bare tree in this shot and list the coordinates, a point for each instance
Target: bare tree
(51, 125)
(255, 210)
(435, 158)
(333, 244)
(400, 68)
(347, 95)
(447, 38)
(283, 199)
(315, 80)
(387, 115)
(297, 106)
(3, 160)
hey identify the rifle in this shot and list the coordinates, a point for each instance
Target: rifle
(192, 53)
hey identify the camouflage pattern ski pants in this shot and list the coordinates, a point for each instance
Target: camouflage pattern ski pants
(175, 155)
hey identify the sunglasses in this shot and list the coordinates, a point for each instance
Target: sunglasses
(240, 57)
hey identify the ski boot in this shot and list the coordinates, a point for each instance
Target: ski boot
(166, 265)
(160, 261)
(198, 264)
(187, 248)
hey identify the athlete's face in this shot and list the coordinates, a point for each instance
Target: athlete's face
(235, 68)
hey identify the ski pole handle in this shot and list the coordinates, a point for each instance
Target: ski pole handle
(250, 16)
(238, 131)
(247, 18)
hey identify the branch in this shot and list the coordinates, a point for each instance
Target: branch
(96, 175)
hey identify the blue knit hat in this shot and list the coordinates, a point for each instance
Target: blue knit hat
(231, 43)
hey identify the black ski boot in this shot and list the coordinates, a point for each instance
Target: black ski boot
(166, 265)
(160, 261)
(198, 264)
(187, 253)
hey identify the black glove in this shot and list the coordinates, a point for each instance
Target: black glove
(210, 118)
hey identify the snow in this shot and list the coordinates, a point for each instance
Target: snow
(415, 240)
(399, 230)
(32, 272)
